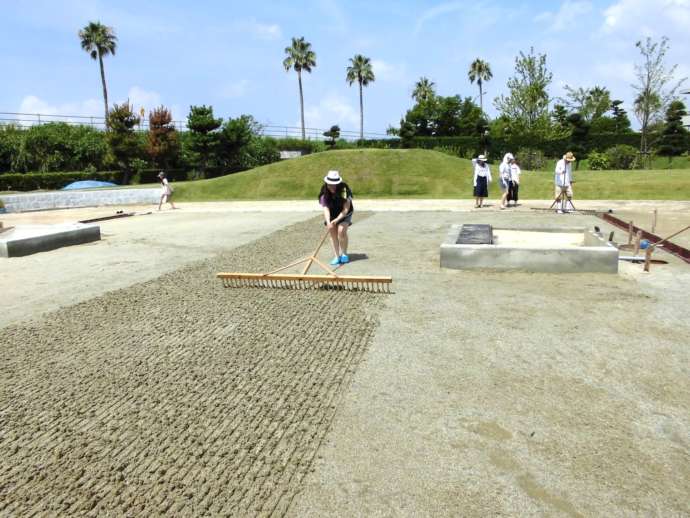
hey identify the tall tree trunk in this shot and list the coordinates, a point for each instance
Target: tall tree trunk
(481, 97)
(301, 102)
(105, 88)
(361, 113)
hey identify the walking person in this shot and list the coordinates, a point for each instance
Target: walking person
(514, 185)
(563, 181)
(482, 179)
(166, 191)
(504, 178)
(336, 199)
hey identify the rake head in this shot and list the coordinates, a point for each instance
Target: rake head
(306, 282)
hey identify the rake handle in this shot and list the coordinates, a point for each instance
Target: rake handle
(313, 256)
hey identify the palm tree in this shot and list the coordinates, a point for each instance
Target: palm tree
(99, 40)
(480, 71)
(300, 57)
(423, 90)
(360, 70)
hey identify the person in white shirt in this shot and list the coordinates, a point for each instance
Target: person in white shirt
(166, 191)
(482, 179)
(514, 185)
(504, 178)
(563, 181)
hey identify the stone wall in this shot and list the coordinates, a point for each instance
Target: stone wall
(74, 199)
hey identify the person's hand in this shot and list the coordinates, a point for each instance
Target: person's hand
(330, 224)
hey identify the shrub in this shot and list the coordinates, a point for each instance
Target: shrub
(531, 159)
(163, 145)
(295, 144)
(599, 161)
(622, 157)
(34, 181)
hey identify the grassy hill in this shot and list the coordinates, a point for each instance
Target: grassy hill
(418, 173)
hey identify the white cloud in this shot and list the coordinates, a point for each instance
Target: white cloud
(566, 16)
(140, 98)
(69, 112)
(332, 109)
(439, 10)
(647, 18)
(235, 89)
(388, 71)
(265, 31)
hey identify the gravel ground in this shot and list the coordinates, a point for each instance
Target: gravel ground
(177, 396)
(463, 393)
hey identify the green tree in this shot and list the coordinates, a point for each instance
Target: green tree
(423, 90)
(203, 139)
(528, 101)
(674, 137)
(122, 139)
(360, 70)
(655, 86)
(591, 103)
(163, 144)
(559, 116)
(407, 134)
(99, 40)
(620, 116)
(332, 135)
(480, 71)
(578, 135)
(235, 138)
(300, 58)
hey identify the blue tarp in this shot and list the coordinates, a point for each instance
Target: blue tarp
(87, 184)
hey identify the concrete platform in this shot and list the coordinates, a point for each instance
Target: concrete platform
(30, 239)
(555, 249)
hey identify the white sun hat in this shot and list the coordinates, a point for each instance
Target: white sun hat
(481, 158)
(332, 178)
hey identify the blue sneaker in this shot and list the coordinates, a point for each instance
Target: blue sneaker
(344, 259)
(335, 261)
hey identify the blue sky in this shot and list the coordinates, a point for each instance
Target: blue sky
(229, 53)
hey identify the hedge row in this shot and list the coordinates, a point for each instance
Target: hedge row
(52, 181)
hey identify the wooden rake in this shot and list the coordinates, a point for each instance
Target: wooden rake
(330, 280)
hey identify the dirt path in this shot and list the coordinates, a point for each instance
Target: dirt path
(515, 394)
(176, 396)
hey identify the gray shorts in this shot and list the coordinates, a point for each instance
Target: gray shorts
(347, 220)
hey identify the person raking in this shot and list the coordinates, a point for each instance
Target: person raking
(336, 199)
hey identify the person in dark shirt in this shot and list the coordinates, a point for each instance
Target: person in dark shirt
(336, 199)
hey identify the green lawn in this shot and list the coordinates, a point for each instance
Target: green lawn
(417, 173)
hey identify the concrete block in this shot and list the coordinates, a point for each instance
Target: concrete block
(30, 239)
(585, 252)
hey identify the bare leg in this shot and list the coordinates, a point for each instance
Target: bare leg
(476, 203)
(160, 203)
(334, 240)
(504, 198)
(342, 238)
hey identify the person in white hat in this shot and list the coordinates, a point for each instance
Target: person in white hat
(504, 178)
(166, 191)
(482, 179)
(336, 199)
(563, 180)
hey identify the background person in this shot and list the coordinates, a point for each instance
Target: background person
(504, 178)
(482, 179)
(514, 184)
(336, 199)
(166, 191)
(563, 181)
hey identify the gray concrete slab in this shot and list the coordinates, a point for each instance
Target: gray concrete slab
(31, 239)
(538, 254)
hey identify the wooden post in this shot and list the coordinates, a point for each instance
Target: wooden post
(648, 258)
(630, 232)
(638, 238)
(654, 221)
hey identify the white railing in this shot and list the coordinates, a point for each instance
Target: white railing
(270, 130)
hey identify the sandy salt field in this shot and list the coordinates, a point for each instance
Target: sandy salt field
(463, 393)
